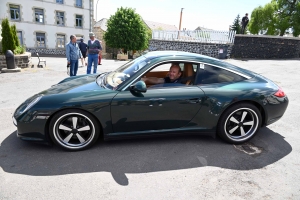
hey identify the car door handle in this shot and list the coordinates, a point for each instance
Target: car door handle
(194, 100)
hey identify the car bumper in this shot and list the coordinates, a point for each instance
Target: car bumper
(276, 108)
(33, 130)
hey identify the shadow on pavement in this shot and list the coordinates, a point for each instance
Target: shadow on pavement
(140, 156)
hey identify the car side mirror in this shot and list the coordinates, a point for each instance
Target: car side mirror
(139, 86)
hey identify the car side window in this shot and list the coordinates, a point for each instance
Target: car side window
(188, 71)
(211, 74)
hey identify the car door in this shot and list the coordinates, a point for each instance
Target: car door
(156, 109)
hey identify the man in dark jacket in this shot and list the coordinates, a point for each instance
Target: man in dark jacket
(83, 49)
(245, 21)
(94, 50)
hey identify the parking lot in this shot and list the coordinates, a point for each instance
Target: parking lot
(155, 168)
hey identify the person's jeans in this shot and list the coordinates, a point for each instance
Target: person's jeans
(73, 67)
(92, 58)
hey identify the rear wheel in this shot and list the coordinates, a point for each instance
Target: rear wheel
(239, 123)
(74, 130)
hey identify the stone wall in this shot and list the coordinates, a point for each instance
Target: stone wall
(21, 61)
(208, 49)
(263, 47)
(245, 46)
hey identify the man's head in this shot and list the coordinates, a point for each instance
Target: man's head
(247, 14)
(174, 72)
(73, 38)
(81, 40)
(92, 35)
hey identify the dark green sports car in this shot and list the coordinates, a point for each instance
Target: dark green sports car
(212, 98)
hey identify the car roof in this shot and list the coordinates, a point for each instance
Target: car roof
(176, 53)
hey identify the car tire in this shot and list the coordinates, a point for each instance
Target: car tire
(74, 130)
(239, 123)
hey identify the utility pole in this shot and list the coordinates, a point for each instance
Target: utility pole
(178, 36)
(96, 10)
(180, 19)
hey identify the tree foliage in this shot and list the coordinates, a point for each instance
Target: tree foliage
(126, 30)
(7, 37)
(276, 18)
(15, 36)
(236, 26)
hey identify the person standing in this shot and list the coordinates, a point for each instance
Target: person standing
(245, 21)
(73, 54)
(94, 50)
(83, 48)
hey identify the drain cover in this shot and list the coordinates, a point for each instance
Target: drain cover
(249, 148)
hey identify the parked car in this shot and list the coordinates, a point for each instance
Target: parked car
(218, 98)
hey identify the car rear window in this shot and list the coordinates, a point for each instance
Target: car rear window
(211, 74)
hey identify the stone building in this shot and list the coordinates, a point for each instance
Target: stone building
(45, 26)
(160, 26)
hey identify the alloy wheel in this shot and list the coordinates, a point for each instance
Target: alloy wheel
(74, 131)
(241, 124)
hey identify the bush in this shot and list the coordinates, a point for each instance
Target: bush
(20, 50)
(8, 42)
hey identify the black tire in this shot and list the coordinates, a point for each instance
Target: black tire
(239, 123)
(83, 136)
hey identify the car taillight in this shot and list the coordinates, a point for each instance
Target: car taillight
(280, 93)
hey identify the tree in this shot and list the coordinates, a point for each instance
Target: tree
(126, 30)
(276, 18)
(15, 36)
(236, 26)
(7, 37)
(296, 21)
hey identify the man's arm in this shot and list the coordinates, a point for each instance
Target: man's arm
(68, 53)
(153, 80)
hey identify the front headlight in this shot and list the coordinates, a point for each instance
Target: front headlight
(32, 103)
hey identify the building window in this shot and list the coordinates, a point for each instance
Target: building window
(14, 12)
(60, 18)
(60, 41)
(39, 15)
(40, 40)
(79, 3)
(60, 1)
(79, 21)
(19, 34)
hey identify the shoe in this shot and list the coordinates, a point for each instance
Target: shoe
(100, 64)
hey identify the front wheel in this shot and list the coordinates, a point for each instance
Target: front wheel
(74, 129)
(239, 123)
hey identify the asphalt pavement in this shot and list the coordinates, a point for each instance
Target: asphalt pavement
(268, 167)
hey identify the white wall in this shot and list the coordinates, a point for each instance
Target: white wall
(29, 27)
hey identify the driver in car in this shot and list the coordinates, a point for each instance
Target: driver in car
(174, 76)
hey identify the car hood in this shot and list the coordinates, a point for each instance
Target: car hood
(76, 85)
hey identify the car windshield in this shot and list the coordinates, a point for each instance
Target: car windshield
(113, 79)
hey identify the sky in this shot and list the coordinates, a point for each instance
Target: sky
(211, 14)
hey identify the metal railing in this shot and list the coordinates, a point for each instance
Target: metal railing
(207, 36)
